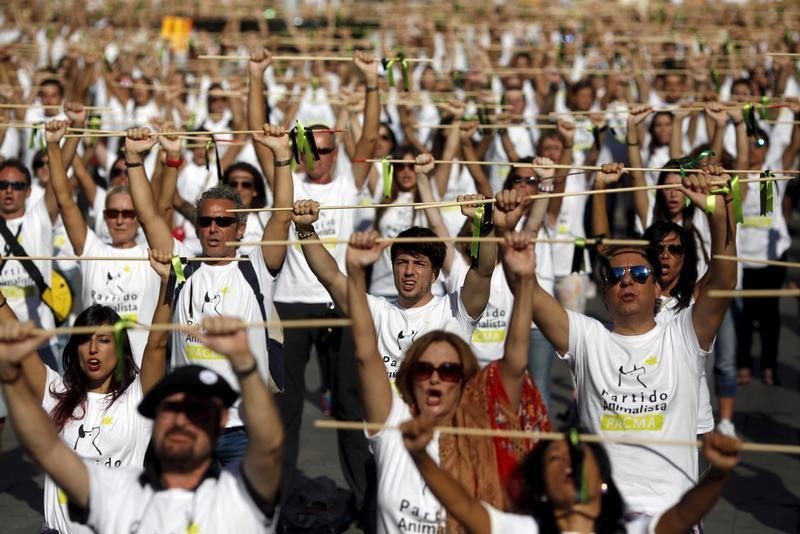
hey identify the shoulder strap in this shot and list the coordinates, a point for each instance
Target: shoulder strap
(275, 356)
(16, 249)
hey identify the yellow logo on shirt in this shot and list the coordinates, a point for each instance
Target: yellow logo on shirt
(652, 359)
(107, 420)
(491, 335)
(62, 497)
(619, 423)
(199, 352)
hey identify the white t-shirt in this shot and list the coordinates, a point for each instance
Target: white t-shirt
(297, 282)
(508, 523)
(405, 503)
(219, 290)
(569, 225)
(667, 311)
(120, 503)
(398, 327)
(34, 232)
(254, 230)
(106, 436)
(393, 221)
(129, 288)
(643, 386)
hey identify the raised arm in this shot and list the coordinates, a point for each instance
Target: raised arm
(256, 112)
(722, 452)
(154, 358)
(717, 115)
(708, 312)
(71, 214)
(276, 140)
(451, 146)
(607, 176)
(31, 424)
(76, 114)
(458, 502)
(137, 142)
(365, 148)
(322, 264)
(475, 292)
(742, 143)
(261, 465)
(172, 162)
(32, 368)
(636, 118)
(519, 265)
(676, 141)
(482, 184)
(376, 393)
(423, 166)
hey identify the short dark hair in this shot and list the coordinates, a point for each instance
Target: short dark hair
(222, 192)
(648, 253)
(260, 199)
(53, 81)
(684, 289)
(14, 163)
(435, 252)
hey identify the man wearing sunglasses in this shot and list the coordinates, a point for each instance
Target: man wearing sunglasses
(219, 286)
(641, 379)
(183, 488)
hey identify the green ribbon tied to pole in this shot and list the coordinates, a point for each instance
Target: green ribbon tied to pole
(177, 268)
(580, 470)
(94, 122)
(766, 191)
(691, 163)
(302, 145)
(32, 139)
(762, 108)
(578, 263)
(120, 327)
(400, 60)
(207, 148)
(477, 222)
(388, 176)
(734, 188)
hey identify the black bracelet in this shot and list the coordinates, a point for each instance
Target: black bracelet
(130, 165)
(246, 372)
(283, 162)
(372, 88)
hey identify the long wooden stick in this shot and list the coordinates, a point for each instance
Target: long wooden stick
(436, 239)
(330, 424)
(758, 261)
(533, 126)
(753, 293)
(184, 134)
(172, 327)
(24, 106)
(302, 58)
(117, 258)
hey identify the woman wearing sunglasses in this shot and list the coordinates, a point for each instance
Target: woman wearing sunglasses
(439, 377)
(248, 182)
(129, 288)
(94, 403)
(566, 486)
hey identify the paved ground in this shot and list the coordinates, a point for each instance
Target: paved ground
(764, 496)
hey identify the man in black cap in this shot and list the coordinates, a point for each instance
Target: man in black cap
(183, 489)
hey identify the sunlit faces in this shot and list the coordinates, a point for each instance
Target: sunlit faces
(97, 359)
(524, 178)
(673, 88)
(413, 277)
(674, 198)
(515, 99)
(404, 176)
(584, 98)
(385, 142)
(50, 95)
(629, 298)
(213, 237)
(559, 479)
(140, 92)
(741, 91)
(243, 183)
(670, 255)
(118, 175)
(14, 189)
(185, 429)
(433, 396)
(550, 147)
(662, 129)
(121, 220)
(326, 145)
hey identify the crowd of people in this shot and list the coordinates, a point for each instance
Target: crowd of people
(250, 196)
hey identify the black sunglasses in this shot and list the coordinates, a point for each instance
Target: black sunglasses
(15, 186)
(639, 274)
(118, 171)
(401, 166)
(243, 185)
(674, 249)
(448, 371)
(222, 221)
(112, 213)
(195, 410)
(326, 150)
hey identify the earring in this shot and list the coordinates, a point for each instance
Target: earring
(603, 488)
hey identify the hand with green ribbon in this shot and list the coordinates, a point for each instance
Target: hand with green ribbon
(697, 186)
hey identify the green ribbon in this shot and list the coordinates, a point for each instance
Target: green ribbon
(578, 465)
(388, 176)
(94, 122)
(767, 193)
(715, 79)
(691, 163)
(762, 108)
(208, 146)
(400, 60)
(734, 188)
(477, 222)
(32, 138)
(177, 268)
(302, 146)
(119, 327)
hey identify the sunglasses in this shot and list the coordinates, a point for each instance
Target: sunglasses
(401, 166)
(243, 185)
(221, 221)
(118, 171)
(639, 274)
(448, 371)
(14, 186)
(194, 409)
(111, 213)
(523, 180)
(40, 163)
(385, 137)
(674, 249)
(326, 150)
